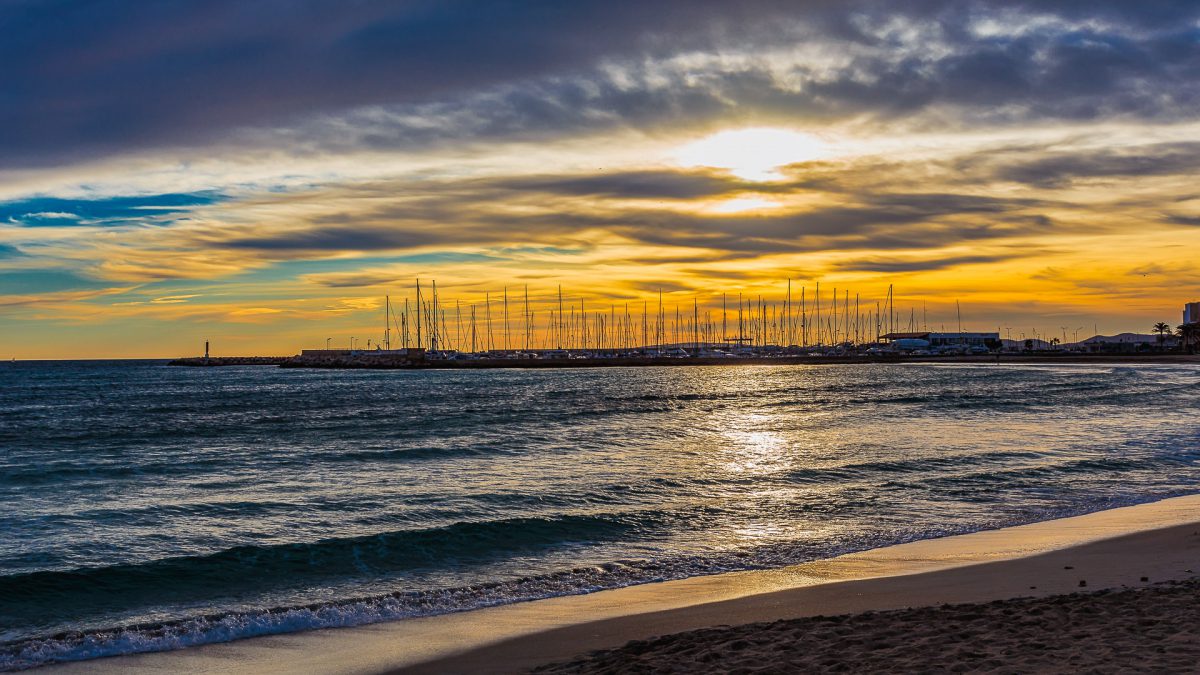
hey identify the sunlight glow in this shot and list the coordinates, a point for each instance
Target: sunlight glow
(752, 154)
(744, 204)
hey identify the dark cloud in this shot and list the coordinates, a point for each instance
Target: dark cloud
(363, 279)
(735, 275)
(885, 265)
(110, 74)
(507, 214)
(93, 78)
(331, 240)
(895, 222)
(1059, 169)
(660, 286)
(640, 185)
(1179, 219)
(898, 222)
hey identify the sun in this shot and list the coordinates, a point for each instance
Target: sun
(753, 154)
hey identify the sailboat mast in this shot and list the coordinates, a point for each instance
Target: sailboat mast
(487, 312)
(804, 316)
(433, 329)
(420, 341)
(820, 340)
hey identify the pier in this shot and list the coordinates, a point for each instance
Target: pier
(215, 361)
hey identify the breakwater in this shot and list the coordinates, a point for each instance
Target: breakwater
(213, 361)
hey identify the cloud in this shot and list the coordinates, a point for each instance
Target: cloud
(548, 219)
(373, 74)
(251, 313)
(83, 69)
(892, 266)
(174, 299)
(1056, 170)
(659, 184)
(47, 215)
(660, 286)
(357, 279)
(895, 221)
(51, 299)
(332, 239)
(1180, 219)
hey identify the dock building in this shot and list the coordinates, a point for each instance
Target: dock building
(943, 342)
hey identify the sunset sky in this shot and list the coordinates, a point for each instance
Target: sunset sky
(261, 174)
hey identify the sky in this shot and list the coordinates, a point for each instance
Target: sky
(261, 174)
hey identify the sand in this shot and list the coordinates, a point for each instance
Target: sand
(1111, 549)
(1155, 629)
(1116, 563)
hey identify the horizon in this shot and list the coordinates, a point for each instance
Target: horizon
(208, 172)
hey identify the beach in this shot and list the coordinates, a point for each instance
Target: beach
(1137, 547)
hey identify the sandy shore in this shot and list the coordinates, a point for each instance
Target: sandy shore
(1116, 563)
(1112, 549)
(1153, 629)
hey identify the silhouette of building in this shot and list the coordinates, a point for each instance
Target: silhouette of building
(1191, 313)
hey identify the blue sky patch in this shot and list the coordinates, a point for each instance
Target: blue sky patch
(59, 212)
(28, 282)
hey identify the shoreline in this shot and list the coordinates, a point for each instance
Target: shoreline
(1107, 548)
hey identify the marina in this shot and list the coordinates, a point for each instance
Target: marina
(787, 330)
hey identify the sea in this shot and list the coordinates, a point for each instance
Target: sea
(146, 507)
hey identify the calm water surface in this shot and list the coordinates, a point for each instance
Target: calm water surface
(144, 507)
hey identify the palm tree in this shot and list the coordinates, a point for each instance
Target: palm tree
(1163, 329)
(1189, 336)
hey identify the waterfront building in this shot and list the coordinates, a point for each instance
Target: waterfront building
(1191, 313)
(943, 342)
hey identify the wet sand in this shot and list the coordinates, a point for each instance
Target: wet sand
(1107, 550)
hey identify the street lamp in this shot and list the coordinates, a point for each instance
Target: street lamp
(327, 340)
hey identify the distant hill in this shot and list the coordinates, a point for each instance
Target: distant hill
(1132, 338)
(1122, 337)
(1148, 339)
(1020, 344)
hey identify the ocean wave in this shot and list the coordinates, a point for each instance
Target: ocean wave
(46, 597)
(225, 627)
(183, 504)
